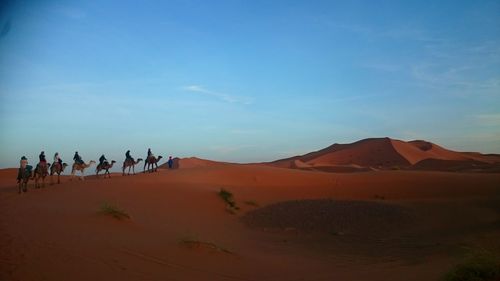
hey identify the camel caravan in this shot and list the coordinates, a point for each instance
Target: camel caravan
(44, 169)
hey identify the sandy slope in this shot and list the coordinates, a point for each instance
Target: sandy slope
(192, 162)
(56, 233)
(386, 153)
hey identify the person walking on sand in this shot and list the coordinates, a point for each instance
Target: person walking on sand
(170, 162)
(23, 163)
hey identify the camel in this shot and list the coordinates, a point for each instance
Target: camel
(41, 171)
(25, 177)
(80, 167)
(56, 168)
(105, 166)
(153, 162)
(130, 164)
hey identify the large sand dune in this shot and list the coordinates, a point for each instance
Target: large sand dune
(292, 225)
(386, 153)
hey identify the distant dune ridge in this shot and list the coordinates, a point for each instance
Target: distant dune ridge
(387, 153)
(374, 154)
(191, 162)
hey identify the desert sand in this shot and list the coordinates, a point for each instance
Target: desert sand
(291, 224)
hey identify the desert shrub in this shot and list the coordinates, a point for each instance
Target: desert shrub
(479, 267)
(251, 203)
(114, 211)
(196, 243)
(229, 199)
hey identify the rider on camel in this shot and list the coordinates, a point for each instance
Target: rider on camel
(57, 160)
(102, 159)
(78, 158)
(43, 161)
(150, 154)
(127, 156)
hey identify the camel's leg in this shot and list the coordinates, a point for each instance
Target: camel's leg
(59, 178)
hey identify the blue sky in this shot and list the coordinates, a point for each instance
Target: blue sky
(245, 81)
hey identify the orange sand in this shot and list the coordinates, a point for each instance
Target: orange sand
(56, 233)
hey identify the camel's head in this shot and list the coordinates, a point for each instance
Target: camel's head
(91, 162)
(113, 161)
(160, 157)
(139, 160)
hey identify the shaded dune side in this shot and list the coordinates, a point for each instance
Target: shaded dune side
(332, 216)
(456, 166)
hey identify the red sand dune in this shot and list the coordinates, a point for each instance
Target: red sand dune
(386, 153)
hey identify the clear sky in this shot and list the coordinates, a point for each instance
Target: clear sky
(245, 81)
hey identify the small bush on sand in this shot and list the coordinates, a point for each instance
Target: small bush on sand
(251, 203)
(195, 243)
(479, 267)
(114, 211)
(228, 198)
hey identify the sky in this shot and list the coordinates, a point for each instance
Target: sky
(244, 81)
